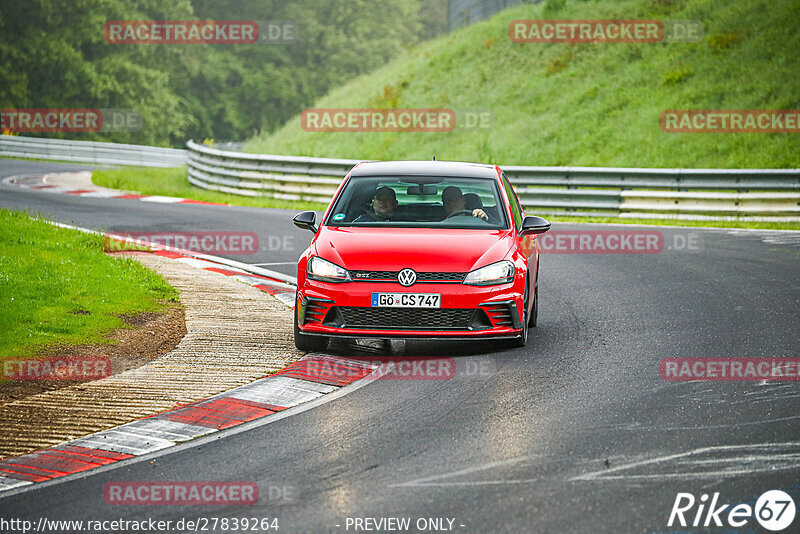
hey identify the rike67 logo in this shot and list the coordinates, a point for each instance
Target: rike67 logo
(774, 510)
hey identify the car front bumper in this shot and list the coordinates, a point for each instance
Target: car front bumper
(346, 310)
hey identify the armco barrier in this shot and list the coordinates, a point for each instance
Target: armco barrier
(90, 152)
(685, 193)
(689, 193)
(282, 177)
(623, 192)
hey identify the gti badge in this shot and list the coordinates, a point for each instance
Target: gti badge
(407, 277)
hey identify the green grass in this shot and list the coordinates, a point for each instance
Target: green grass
(172, 182)
(582, 104)
(51, 277)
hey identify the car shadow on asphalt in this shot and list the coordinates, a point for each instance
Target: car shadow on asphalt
(415, 347)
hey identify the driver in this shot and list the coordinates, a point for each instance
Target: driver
(384, 206)
(453, 202)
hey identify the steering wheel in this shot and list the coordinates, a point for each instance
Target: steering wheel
(373, 216)
(459, 213)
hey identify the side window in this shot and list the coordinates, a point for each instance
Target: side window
(516, 209)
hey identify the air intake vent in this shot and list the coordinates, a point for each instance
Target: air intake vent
(500, 314)
(315, 310)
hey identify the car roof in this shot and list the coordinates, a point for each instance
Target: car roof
(425, 168)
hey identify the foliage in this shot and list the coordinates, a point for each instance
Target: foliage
(53, 55)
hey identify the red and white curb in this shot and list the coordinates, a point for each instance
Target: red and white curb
(277, 284)
(303, 381)
(279, 289)
(38, 182)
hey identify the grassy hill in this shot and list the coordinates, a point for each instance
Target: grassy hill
(582, 104)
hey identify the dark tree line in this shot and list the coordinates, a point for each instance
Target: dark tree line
(53, 55)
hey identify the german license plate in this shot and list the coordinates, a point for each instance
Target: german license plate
(406, 300)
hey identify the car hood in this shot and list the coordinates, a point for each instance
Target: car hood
(421, 249)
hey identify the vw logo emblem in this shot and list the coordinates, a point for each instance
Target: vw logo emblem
(407, 277)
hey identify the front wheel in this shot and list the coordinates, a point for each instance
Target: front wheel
(534, 309)
(308, 343)
(522, 340)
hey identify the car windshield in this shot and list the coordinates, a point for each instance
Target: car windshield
(429, 201)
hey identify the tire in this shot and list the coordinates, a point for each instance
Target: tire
(535, 309)
(308, 343)
(522, 340)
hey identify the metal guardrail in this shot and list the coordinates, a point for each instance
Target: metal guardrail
(282, 177)
(685, 193)
(91, 152)
(623, 192)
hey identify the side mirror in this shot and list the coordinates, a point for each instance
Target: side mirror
(307, 220)
(534, 225)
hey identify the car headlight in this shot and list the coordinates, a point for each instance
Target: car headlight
(497, 273)
(325, 271)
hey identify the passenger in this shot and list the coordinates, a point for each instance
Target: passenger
(384, 207)
(455, 204)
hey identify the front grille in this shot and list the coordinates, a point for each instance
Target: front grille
(372, 276)
(405, 318)
(440, 277)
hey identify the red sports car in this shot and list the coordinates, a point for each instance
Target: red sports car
(419, 249)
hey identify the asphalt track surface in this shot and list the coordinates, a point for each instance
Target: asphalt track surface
(577, 432)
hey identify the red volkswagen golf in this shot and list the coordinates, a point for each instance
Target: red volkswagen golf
(419, 249)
